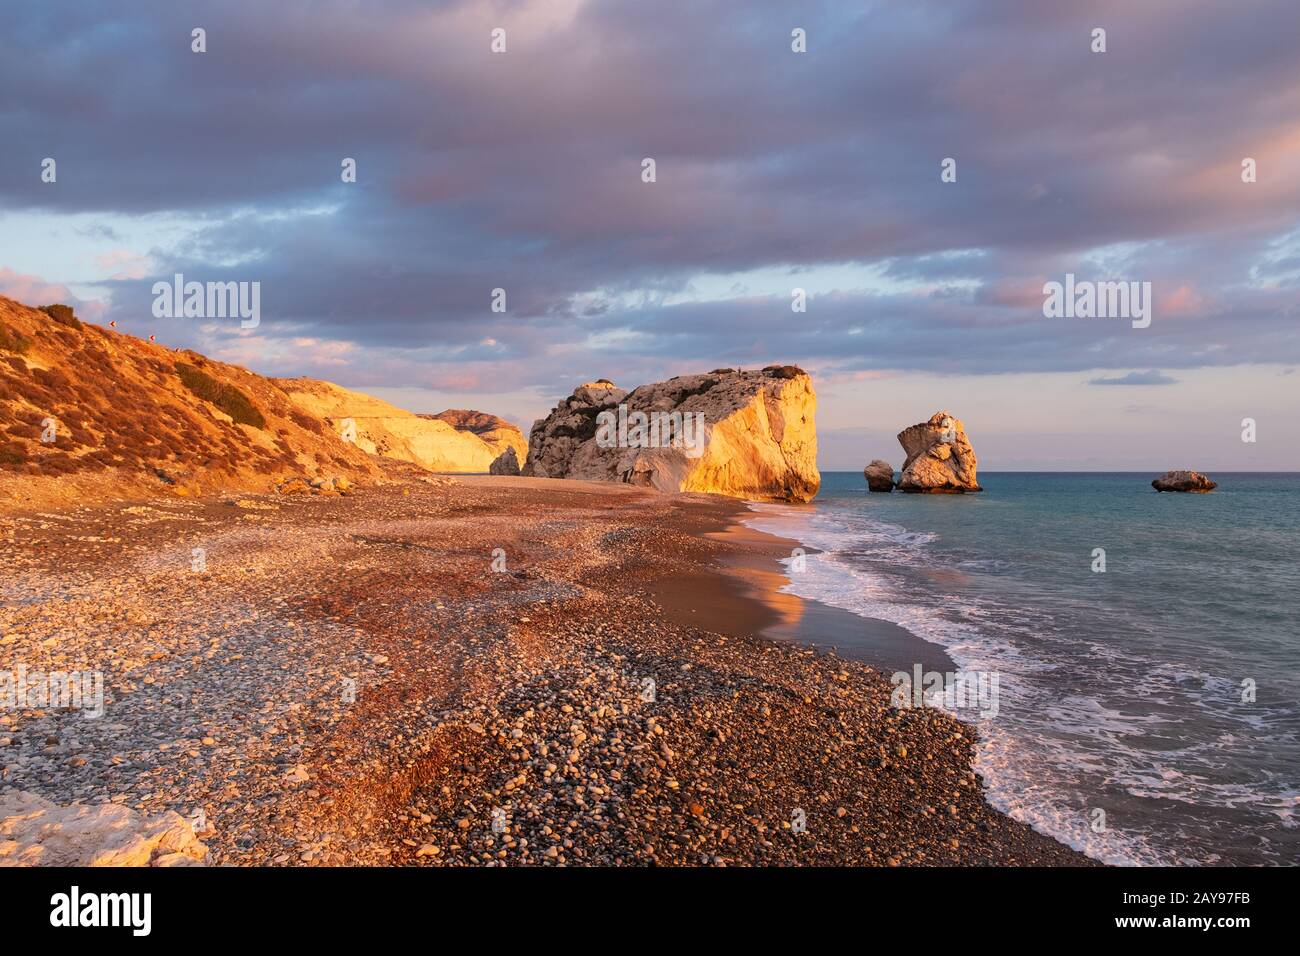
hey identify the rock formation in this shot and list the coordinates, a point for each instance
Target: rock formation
(384, 429)
(879, 475)
(1187, 481)
(745, 434)
(36, 832)
(335, 485)
(940, 459)
(498, 433)
(506, 464)
(554, 440)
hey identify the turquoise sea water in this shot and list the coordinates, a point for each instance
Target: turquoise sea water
(1126, 691)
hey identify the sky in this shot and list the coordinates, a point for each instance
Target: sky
(774, 170)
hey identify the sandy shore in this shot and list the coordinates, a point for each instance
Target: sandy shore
(351, 681)
(753, 572)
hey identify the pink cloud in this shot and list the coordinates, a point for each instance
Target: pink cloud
(32, 290)
(1014, 293)
(1181, 301)
(35, 291)
(124, 264)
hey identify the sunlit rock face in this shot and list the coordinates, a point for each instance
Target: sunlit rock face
(36, 832)
(940, 459)
(377, 427)
(749, 434)
(495, 431)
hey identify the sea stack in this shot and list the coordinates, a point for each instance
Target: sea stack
(1190, 482)
(507, 463)
(879, 475)
(940, 459)
(748, 434)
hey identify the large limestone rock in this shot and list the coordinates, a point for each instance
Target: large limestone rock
(554, 441)
(1192, 482)
(507, 464)
(940, 459)
(37, 832)
(745, 434)
(498, 433)
(384, 429)
(879, 475)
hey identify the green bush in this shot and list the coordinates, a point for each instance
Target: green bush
(62, 314)
(226, 397)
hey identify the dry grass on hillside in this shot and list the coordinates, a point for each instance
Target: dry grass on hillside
(148, 414)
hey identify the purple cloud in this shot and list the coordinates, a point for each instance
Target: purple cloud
(1149, 377)
(522, 171)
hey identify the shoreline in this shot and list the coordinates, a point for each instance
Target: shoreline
(499, 718)
(884, 645)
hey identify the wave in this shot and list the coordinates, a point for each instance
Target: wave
(1053, 756)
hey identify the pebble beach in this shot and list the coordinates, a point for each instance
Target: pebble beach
(478, 671)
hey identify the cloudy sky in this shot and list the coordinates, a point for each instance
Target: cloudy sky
(775, 170)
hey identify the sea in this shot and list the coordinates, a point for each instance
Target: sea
(1146, 646)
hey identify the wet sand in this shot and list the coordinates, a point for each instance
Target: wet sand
(751, 560)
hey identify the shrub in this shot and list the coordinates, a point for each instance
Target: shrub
(14, 341)
(306, 421)
(51, 378)
(12, 454)
(783, 371)
(226, 397)
(59, 464)
(62, 314)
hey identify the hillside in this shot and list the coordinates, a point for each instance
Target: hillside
(497, 432)
(385, 429)
(87, 413)
(127, 417)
